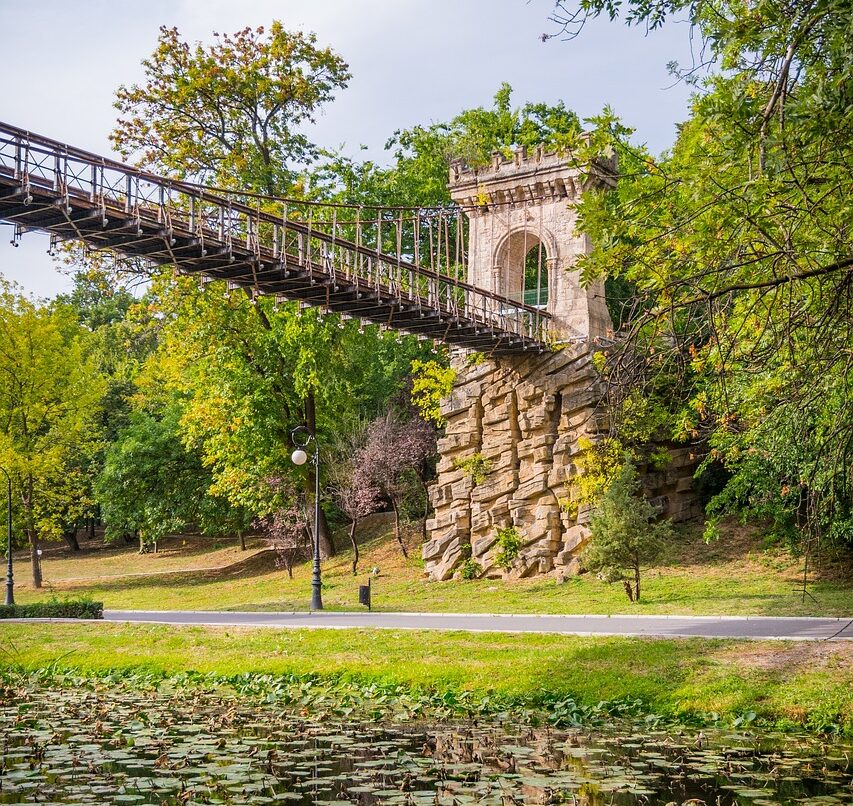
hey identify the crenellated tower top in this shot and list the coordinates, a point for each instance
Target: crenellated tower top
(524, 178)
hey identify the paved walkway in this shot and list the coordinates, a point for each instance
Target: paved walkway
(758, 627)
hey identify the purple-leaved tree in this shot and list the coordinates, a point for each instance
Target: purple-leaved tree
(394, 454)
(358, 495)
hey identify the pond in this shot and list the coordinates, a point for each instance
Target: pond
(119, 746)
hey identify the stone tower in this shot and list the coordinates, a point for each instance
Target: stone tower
(520, 421)
(524, 208)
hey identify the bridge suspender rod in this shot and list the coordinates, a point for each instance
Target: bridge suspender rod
(524, 256)
(399, 279)
(447, 244)
(357, 268)
(539, 267)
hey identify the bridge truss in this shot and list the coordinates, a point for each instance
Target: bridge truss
(401, 269)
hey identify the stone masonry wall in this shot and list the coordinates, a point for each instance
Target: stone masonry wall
(526, 416)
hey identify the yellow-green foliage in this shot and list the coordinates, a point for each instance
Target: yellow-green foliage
(509, 544)
(431, 383)
(476, 467)
(598, 462)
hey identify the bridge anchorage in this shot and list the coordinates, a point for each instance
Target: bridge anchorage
(439, 273)
(523, 419)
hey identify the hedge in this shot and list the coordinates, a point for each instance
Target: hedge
(70, 608)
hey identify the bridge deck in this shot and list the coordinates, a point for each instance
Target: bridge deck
(50, 187)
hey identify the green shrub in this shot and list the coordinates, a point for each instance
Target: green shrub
(509, 544)
(69, 608)
(476, 467)
(470, 569)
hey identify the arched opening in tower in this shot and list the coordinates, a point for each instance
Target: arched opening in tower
(536, 277)
(523, 269)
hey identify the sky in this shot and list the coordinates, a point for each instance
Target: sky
(413, 62)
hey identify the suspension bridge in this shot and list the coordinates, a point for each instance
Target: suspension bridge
(401, 268)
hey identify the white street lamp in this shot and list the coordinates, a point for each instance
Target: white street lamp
(302, 438)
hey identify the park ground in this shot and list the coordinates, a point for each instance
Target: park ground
(739, 574)
(787, 683)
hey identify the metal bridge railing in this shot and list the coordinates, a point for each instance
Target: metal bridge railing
(265, 234)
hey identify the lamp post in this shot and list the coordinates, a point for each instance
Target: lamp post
(10, 576)
(302, 438)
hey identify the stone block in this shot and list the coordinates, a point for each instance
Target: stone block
(480, 546)
(532, 487)
(459, 517)
(438, 545)
(660, 503)
(443, 569)
(574, 537)
(684, 484)
(457, 442)
(492, 488)
(462, 488)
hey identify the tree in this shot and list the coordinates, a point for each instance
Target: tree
(288, 533)
(353, 485)
(120, 334)
(248, 371)
(624, 534)
(229, 112)
(736, 245)
(49, 398)
(394, 453)
(152, 486)
(422, 155)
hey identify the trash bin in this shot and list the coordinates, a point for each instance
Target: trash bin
(364, 594)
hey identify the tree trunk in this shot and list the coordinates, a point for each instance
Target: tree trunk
(242, 540)
(70, 537)
(637, 583)
(354, 546)
(628, 589)
(397, 532)
(91, 525)
(32, 537)
(327, 544)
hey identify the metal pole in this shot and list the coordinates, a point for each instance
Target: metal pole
(10, 576)
(316, 582)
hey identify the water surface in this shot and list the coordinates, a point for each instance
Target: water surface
(117, 746)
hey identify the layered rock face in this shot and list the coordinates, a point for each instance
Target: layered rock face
(521, 421)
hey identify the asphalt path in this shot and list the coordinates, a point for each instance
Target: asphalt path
(755, 627)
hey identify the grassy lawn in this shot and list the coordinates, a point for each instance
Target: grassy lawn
(100, 560)
(735, 575)
(798, 681)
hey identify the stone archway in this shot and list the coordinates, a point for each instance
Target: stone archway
(523, 266)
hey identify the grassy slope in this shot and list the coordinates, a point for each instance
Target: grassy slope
(732, 576)
(800, 681)
(99, 560)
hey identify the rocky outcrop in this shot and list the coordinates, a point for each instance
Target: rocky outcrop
(521, 422)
